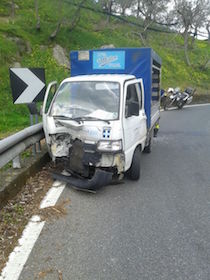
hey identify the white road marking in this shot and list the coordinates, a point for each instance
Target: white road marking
(52, 196)
(186, 106)
(169, 109)
(197, 105)
(20, 254)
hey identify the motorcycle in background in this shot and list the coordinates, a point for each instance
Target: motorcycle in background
(172, 97)
(187, 96)
(177, 98)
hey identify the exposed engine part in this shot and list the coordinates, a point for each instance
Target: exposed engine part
(82, 157)
(60, 145)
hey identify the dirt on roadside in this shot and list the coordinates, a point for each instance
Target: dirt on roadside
(16, 213)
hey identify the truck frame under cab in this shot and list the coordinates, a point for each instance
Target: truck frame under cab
(100, 119)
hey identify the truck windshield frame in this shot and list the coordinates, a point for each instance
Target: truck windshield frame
(96, 100)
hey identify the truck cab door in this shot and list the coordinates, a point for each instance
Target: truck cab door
(134, 119)
(49, 95)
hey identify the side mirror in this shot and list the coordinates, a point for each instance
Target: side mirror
(132, 109)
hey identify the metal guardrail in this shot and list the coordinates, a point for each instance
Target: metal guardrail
(12, 146)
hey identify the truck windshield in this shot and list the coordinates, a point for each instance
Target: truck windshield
(91, 100)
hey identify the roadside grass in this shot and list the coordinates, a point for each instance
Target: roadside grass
(91, 32)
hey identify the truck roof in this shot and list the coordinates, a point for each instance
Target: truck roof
(101, 77)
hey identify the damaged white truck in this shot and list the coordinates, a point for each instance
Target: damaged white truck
(100, 119)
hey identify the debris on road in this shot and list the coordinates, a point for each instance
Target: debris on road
(44, 273)
(54, 212)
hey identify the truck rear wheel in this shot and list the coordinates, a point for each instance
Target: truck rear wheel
(148, 148)
(134, 171)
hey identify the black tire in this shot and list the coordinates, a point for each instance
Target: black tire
(134, 171)
(148, 148)
(167, 104)
(163, 102)
(180, 105)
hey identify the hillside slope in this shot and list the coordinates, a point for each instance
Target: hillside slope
(20, 42)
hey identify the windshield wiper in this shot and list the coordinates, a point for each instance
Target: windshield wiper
(80, 119)
(87, 118)
(67, 118)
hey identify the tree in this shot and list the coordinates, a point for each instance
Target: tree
(37, 15)
(72, 23)
(124, 4)
(185, 14)
(191, 16)
(13, 10)
(208, 29)
(151, 11)
(107, 5)
(60, 19)
(200, 16)
(76, 16)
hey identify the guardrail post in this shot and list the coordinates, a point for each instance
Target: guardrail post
(16, 162)
(38, 147)
(34, 146)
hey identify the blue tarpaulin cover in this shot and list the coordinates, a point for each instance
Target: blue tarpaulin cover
(133, 61)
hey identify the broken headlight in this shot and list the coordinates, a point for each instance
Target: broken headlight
(110, 146)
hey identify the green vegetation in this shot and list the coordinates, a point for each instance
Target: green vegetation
(21, 42)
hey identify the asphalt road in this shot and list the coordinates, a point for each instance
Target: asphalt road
(156, 228)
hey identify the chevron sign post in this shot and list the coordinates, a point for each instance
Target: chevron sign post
(28, 85)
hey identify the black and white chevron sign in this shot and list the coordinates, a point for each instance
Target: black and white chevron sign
(28, 84)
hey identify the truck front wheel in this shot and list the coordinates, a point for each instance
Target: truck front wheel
(134, 171)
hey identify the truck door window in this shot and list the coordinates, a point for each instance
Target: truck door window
(139, 92)
(131, 100)
(50, 98)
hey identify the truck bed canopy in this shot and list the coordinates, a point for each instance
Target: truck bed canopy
(141, 62)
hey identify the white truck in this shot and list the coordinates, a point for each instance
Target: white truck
(100, 119)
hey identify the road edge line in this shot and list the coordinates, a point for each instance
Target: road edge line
(52, 196)
(19, 256)
(21, 252)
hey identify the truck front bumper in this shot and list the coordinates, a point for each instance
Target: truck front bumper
(101, 178)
